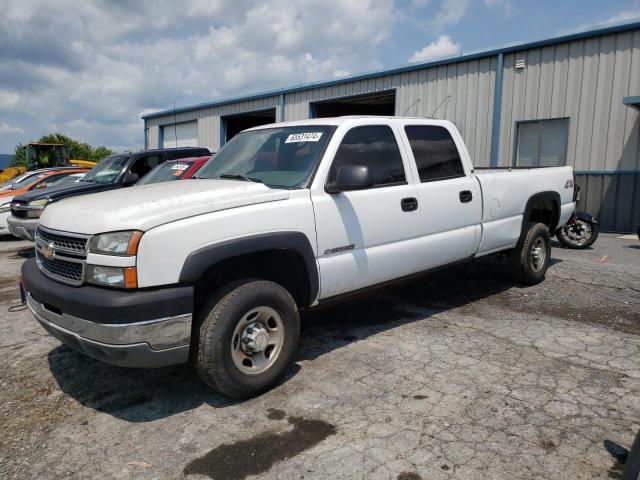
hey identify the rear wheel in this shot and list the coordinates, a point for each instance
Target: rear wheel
(530, 259)
(247, 338)
(577, 234)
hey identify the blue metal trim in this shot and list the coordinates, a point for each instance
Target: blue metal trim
(146, 135)
(497, 111)
(282, 107)
(312, 110)
(632, 101)
(223, 133)
(508, 48)
(607, 172)
(160, 136)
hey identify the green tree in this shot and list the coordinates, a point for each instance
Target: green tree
(78, 150)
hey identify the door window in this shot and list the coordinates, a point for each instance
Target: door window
(435, 152)
(542, 143)
(144, 165)
(375, 147)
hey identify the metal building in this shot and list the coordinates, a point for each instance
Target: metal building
(572, 99)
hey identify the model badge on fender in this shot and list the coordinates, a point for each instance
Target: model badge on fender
(346, 248)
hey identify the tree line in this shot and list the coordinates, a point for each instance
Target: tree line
(79, 150)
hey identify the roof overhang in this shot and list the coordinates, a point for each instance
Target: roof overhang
(633, 101)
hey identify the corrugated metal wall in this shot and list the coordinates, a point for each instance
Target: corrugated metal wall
(209, 120)
(582, 80)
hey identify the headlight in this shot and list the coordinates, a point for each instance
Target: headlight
(34, 209)
(5, 208)
(116, 243)
(122, 277)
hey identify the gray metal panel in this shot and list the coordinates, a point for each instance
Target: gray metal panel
(153, 137)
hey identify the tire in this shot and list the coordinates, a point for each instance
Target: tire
(232, 329)
(527, 266)
(565, 237)
(632, 465)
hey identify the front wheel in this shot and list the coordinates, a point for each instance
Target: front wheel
(577, 234)
(530, 259)
(248, 337)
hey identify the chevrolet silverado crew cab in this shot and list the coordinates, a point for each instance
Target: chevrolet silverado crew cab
(115, 171)
(286, 217)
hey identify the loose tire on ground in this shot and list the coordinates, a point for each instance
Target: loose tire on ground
(247, 338)
(565, 238)
(530, 259)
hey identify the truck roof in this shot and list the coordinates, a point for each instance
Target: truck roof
(343, 119)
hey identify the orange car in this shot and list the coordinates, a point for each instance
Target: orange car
(39, 179)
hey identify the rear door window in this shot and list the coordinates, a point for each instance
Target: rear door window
(435, 152)
(144, 165)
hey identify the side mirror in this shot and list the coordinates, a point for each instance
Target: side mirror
(350, 177)
(129, 179)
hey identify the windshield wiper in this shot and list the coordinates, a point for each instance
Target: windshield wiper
(240, 177)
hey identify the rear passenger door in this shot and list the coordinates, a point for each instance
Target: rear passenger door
(365, 237)
(143, 165)
(450, 198)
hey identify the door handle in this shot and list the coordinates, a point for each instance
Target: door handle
(409, 204)
(466, 196)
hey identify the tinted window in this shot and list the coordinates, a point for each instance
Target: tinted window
(542, 143)
(144, 165)
(107, 170)
(374, 147)
(435, 152)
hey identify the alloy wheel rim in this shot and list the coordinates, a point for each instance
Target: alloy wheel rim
(538, 254)
(257, 340)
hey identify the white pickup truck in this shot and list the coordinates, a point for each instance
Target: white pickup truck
(286, 217)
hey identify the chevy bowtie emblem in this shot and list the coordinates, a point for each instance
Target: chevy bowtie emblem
(48, 251)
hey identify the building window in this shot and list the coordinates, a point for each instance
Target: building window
(542, 143)
(435, 152)
(376, 147)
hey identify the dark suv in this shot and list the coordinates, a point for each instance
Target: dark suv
(116, 171)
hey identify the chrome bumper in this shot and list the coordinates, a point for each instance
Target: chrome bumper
(153, 343)
(23, 228)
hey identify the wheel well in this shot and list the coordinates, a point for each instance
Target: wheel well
(543, 209)
(284, 267)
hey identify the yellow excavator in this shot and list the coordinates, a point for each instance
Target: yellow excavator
(45, 155)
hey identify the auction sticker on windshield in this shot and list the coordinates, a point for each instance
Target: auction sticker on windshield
(303, 137)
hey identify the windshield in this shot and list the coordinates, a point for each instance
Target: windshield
(165, 172)
(28, 180)
(107, 170)
(278, 157)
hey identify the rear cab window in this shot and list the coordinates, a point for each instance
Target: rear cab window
(435, 152)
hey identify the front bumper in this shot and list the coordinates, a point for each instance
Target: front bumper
(23, 228)
(129, 329)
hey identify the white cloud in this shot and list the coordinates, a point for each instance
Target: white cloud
(451, 12)
(443, 46)
(506, 6)
(6, 129)
(620, 17)
(90, 74)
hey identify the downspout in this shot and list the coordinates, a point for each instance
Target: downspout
(146, 135)
(282, 107)
(497, 111)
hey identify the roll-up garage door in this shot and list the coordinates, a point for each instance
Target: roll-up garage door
(180, 135)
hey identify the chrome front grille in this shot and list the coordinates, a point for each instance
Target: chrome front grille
(61, 256)
(62, 270)
(73, 244)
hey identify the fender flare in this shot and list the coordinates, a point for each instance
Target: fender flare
(541, 197)
(199, 261)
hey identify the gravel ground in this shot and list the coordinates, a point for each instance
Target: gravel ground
(459, 375)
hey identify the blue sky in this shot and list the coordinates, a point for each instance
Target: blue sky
(90, 69)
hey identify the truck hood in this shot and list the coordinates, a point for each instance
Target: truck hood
(147, 206)
(58, 192)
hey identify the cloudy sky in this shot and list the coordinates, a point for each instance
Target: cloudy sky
(91, 68)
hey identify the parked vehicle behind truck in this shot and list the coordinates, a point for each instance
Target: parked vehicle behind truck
(182, 169)
(114, 172)
(288, 217)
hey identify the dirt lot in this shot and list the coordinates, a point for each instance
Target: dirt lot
(459, 375)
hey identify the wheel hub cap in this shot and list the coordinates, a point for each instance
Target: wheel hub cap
(538, 255)
(255, 338)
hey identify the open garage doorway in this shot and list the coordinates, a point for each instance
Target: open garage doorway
(380, 103)
(234, 124)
